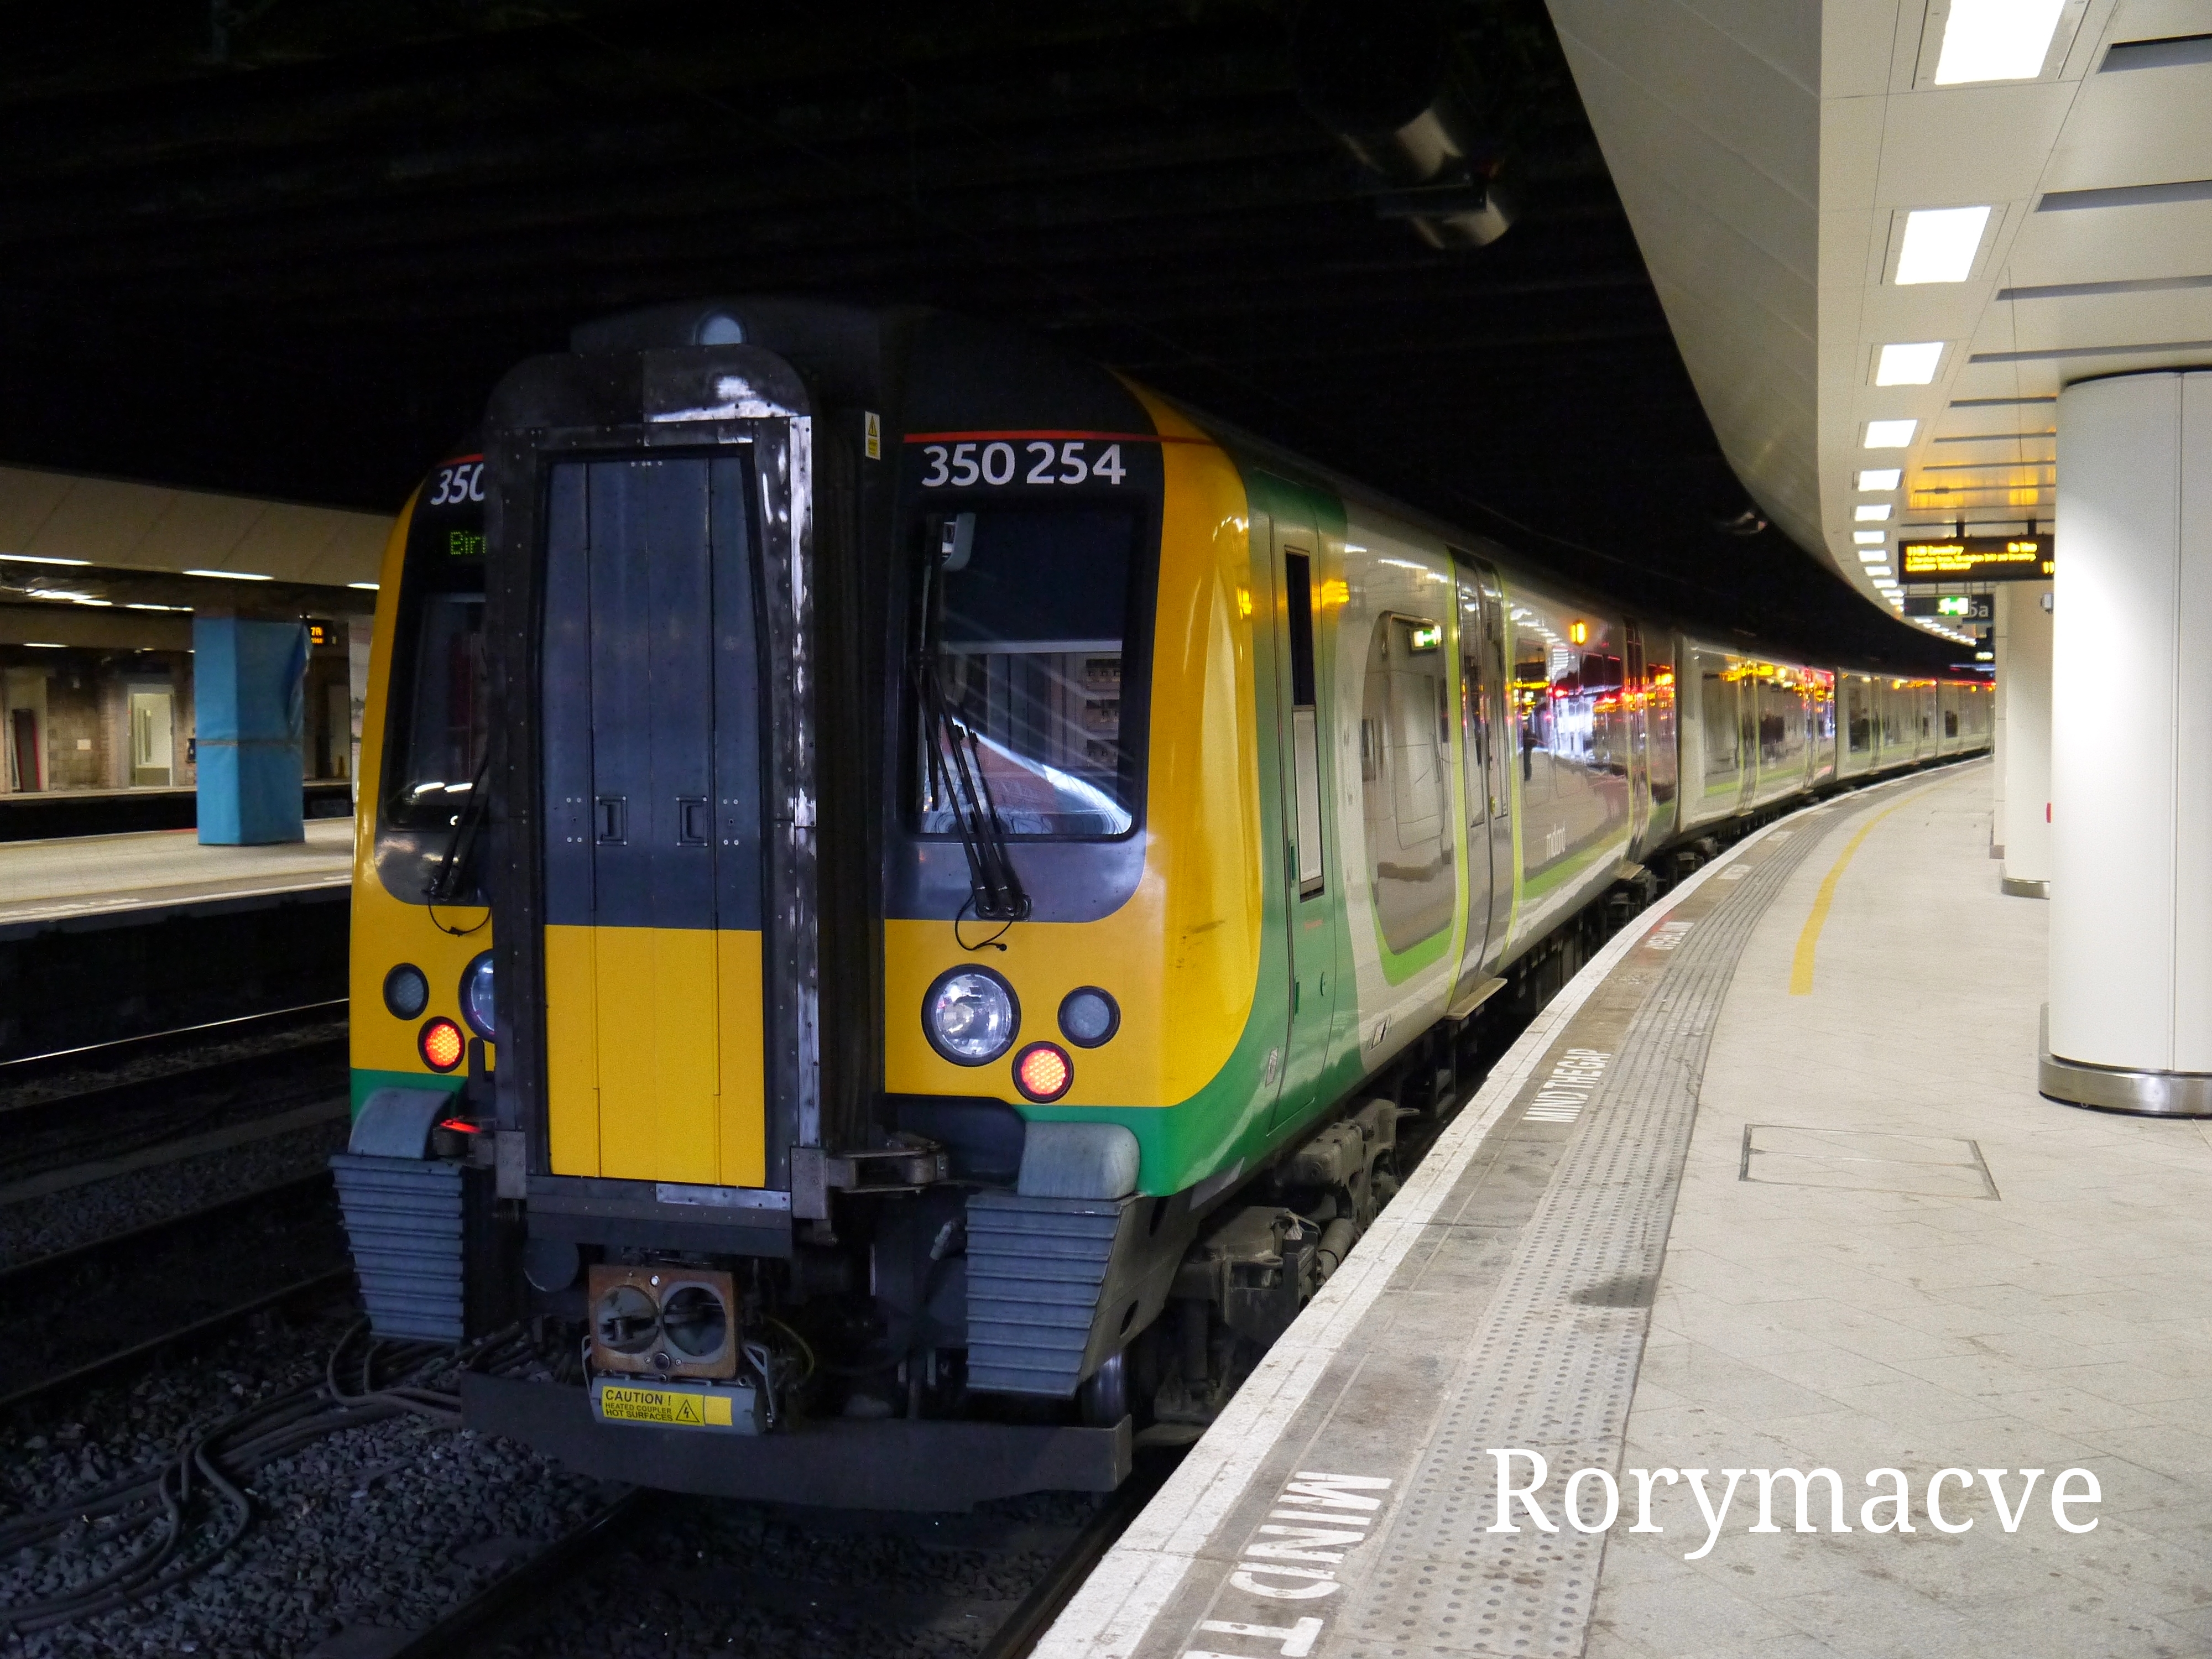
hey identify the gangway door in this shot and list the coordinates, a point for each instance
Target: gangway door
(652, 732)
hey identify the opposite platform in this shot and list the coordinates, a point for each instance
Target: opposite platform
(48, 883)
(1906, 1214)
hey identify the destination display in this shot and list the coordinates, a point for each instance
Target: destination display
(1977, 558)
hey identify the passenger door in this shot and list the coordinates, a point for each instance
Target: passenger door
(1482, 730)
(1634, 695)
(651, 765)
(1310, 910)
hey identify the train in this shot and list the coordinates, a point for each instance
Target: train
(982, 868)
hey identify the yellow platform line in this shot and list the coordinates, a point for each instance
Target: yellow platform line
(1801, 965)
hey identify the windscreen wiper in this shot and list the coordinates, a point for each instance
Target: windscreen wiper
(955, 759)
(446, 886)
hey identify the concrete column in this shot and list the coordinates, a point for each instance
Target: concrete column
(2130, 1014)
(247, 680)
(2023, 831)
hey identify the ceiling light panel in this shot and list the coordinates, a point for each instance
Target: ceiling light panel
(1869, 538)
(1871, 512)
(1940, 244)
(1880, 478)
(1912, 364)
(1996, 40)
(1890, 434)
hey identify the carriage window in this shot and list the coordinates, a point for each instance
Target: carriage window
(1027, 620)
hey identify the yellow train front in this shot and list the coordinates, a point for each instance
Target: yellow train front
(975, 867)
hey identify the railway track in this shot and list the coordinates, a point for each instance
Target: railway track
(152, 1046)
(98, 1105)
(82, 1314)
(640, 1547)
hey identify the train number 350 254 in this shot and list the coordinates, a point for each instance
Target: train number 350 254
(959, 466)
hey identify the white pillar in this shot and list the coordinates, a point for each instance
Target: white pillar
(2130, 1015)
(2023, 831)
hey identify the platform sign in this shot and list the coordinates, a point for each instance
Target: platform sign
(1977, 559)
(1956, 607)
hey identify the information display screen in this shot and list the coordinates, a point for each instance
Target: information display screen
(1977, 558)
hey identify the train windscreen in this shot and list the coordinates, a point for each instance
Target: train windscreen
(1027, 617)
(438, 726)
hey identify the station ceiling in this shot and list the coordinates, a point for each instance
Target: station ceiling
(284, 249)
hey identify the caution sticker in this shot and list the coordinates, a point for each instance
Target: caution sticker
(676, 1408)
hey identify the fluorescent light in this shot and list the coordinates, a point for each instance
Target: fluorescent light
(1879, 572)
(44, 645)
(370, 587)
(1996, 40)
(1891, 435)
(156, 607)
(1869, 538)
(1913, 364)
(1940, 244)
(232, 576)
(92, 601)
(33, 558)
(1871, 512)
(1880, 478)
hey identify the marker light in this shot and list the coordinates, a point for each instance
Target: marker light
(406, 992)
(970, 1015)
(1908, 365)
(476, 997)
(1043, 1071)
(1880, 478)
(1579, 632)
(442, 1044)
(1871, 512)
(1940, 244)
(1089, 1016)
(1996, 40)
(1891, 435)
(1869, 538)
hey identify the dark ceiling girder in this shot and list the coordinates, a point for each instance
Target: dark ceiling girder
(296, 271)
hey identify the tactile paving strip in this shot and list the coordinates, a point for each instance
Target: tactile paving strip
(1553, 1366)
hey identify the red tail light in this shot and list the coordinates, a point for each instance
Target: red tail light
(442, 1044)
(1043, 1071)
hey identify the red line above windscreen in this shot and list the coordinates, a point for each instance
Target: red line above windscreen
(1055, 433)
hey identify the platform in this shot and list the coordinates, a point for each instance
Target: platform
(45, 883)
(48, 814)
(1768, 1186)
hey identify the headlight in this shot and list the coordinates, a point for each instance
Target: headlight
(406, 992)
(970, 1015)
(476, 997)
(1087, 1016)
